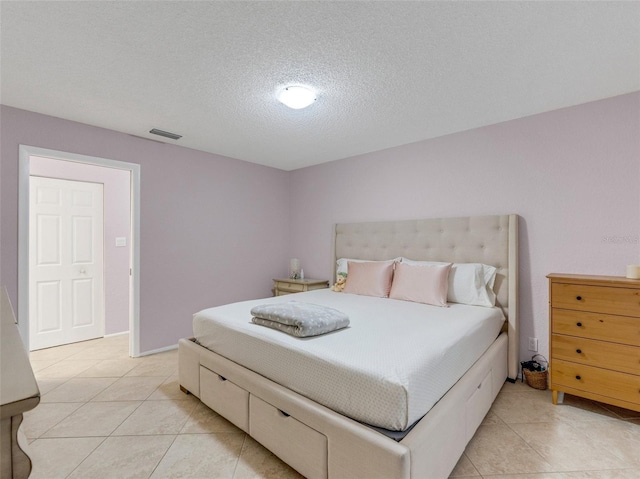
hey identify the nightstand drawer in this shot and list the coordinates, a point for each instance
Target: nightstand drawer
(625, 387)
(597, 299)
(617, 357)
(291, 287)
(618, 329)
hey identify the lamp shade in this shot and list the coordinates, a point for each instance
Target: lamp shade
(294, 268)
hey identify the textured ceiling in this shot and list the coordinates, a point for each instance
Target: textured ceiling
(387, 73)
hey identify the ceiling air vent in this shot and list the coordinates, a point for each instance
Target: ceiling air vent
(166, 134)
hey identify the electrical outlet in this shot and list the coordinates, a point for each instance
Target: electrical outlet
(533, 344)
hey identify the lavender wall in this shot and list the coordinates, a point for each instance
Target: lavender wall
(573, 175)
(117, 223)
(213, 229)
(216, 230)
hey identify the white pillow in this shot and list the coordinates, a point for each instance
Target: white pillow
(469, 283)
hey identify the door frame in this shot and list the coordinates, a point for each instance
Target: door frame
(25, 152)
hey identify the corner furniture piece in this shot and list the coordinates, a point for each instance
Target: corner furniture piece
(289, 286)
(18, 393)
(595, 338)
(320, 443)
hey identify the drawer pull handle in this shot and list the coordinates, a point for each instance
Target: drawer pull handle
(579, 351)
(579, 298)
(579, 324)
(283, 413)
(221, 378)
(578, 377)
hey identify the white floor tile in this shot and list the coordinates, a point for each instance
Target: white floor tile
(58, 457)
(201, 455)
(44, 416)
(94, 419)
(130, 419)
(130, 389)
(77, 390)
(124, 458)
(156, 417)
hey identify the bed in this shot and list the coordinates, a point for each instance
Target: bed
(330, 435)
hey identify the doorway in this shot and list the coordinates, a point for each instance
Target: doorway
(126, 238)
(66, 262)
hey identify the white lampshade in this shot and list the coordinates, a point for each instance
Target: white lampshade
(297, 97)
(294, 268)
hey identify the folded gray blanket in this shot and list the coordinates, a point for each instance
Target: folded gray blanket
(299, 319)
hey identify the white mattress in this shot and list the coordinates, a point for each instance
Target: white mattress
(387, 369)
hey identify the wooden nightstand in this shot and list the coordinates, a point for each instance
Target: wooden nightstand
(595, 338)
(289, 286)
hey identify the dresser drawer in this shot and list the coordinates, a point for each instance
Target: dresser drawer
(224, 397)
(618, 357)
(613, 384)
(300, 446)
(618, 329)
(597, 299)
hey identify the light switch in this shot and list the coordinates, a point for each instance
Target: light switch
(121, 241)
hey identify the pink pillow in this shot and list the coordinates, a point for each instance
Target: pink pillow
(369, 279)
(422, 284)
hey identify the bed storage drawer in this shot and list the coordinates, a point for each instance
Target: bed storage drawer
(478, 405)
(225, 398)
(298, 445)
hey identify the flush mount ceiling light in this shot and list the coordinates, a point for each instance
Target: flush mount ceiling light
(297, 97)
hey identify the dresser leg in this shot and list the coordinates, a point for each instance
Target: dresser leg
(554, 396)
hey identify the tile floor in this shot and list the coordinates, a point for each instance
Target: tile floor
(104, 415)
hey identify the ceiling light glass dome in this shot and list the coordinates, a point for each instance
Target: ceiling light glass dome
(297, 97)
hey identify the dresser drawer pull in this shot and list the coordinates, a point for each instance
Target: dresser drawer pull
(579, 298)
(578, 377)
(579, 324)
(579, 351)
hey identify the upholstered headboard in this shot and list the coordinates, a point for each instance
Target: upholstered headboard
(490, 240)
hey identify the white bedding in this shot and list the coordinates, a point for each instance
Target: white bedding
(387, 369)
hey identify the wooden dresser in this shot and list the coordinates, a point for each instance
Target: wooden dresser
(19, 393)
(595, 338)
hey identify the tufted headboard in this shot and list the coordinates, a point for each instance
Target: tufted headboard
(490, 240)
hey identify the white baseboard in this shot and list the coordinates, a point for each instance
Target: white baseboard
(116, 334)
(160, 350)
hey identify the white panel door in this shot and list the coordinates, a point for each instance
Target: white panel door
(66, 270)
